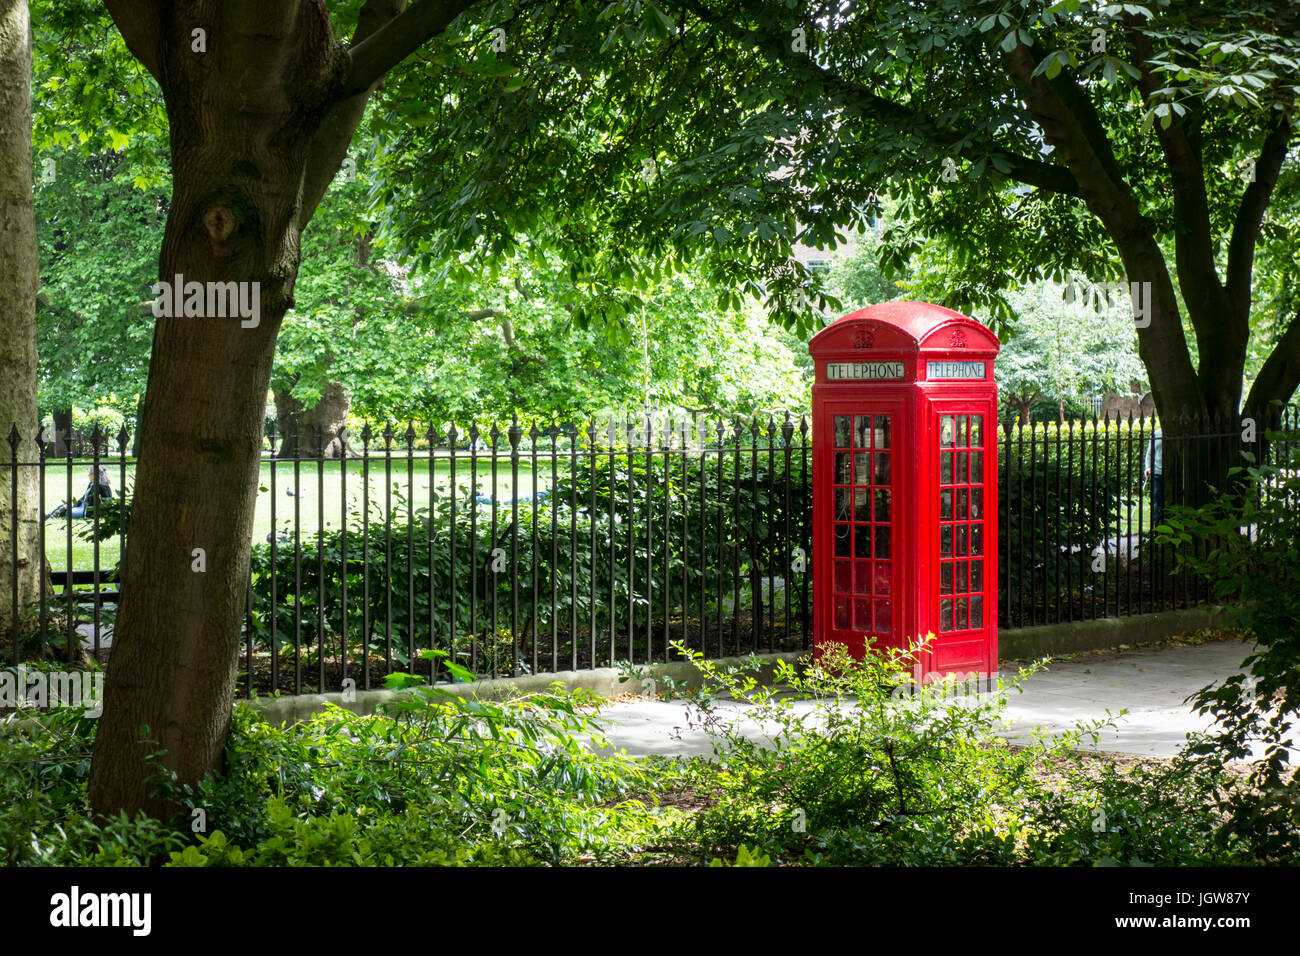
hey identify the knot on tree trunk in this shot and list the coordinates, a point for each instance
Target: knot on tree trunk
(220, 222)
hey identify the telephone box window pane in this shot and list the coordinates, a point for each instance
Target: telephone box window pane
(962, 504)
(882, 541)
(862, 431)
(861, 577)
(841, 431)
(977, 466)
(977, 575)
(963, 577)
(977, 539)
(945, 614)
(842, 613)
(945, 541)
(862, 614)
(977, 431)
(945, 577)
(862, 468)
(945, 505)
(962, 436)
(977, 611)
(945, 431)
(882, 577)
(843, 577)
(861, 504)
(945, 468)
(962, 460)
(842, 474)
(882, 431)
(884, 618)
(882, 505)
(962, 616)
(842, 540)
(862, 540)
(977, 503)
(882, 468)
(842, 499)
(963, 540)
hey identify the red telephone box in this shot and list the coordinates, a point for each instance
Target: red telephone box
(905, 486)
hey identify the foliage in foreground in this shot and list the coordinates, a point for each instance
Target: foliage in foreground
(854, 769)
(918, 776)
(438, 781)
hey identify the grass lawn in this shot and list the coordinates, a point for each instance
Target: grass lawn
(317, 484)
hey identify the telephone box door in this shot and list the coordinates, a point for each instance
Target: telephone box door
(866, 456)
(963, 436)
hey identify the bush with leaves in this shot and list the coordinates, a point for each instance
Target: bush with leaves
(435, 780)
(1141, 815)
(855, 766)
(852, 771)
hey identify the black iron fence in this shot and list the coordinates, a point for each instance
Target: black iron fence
(512, 550)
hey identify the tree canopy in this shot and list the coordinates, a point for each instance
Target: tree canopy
(1136, 142)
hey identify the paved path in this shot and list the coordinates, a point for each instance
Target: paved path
(1152, 683)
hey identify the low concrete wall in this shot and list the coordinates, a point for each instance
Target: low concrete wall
(602, 681)
(1046, 640)
(1013, 644)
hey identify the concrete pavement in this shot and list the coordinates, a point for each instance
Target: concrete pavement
(1151, 682)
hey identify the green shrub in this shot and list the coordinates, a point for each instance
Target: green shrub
(891, 779)
(438, 780)
(1142, 815)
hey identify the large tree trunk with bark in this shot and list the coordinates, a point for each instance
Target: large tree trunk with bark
(19, 503)
(241, 129)
(261, 105)
(315, 432)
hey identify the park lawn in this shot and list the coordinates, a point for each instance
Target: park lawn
(318, 485)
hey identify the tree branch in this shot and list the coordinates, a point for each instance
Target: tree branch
(1280, 375)
(1070, 123)
(1197, 275)
(330, 145)
(140, 23)
(397, 39)
(1032, 172)
(1254, 203)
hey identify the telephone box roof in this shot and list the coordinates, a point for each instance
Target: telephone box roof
(919, 323)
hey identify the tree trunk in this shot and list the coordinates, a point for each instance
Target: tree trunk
(20, 561)
(234, 217)
(262, 103)
(315, 432)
